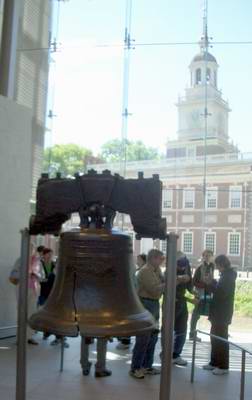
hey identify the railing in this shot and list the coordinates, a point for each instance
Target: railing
(243, 360)
(168, 162)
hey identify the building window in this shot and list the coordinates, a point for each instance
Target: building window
(167, 198)
(163, 245)
(208, 75)
(235, 196)
(234, 243)
(198, 76)
(211, 197)
(191, 152)
(188, 198)
(187, 242)
(210, 241)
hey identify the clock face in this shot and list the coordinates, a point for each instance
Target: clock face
(195, 119)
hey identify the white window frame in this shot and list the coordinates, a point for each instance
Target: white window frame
(191, 152)
(237, 188)
(186, 190)
(205, 241)
(167, 196)
(162, 246)
(212, 190)
(183, 242)
(229, 236)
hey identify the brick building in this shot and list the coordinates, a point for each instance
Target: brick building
(207, 182)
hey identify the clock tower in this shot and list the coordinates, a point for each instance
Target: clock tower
(203, 93)
(202, 112)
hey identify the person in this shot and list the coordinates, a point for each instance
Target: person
(184, 282)
(141, 261)
(125, 342)
(48, 273)
(220, 315)
(40, 251)
(150, 285)
(48, 267)
(100, 367)
(203, 273)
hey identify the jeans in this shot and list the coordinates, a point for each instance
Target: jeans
(180, 327)
(143, 352)
(101, 347)
(194, 319)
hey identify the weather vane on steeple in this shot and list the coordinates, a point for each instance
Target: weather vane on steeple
(204, 41)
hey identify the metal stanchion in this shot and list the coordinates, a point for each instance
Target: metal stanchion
(168, 317)
(243, 363)
(193, 355)
(62, 342)
(22, 317)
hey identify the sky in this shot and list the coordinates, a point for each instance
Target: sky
(86, 79)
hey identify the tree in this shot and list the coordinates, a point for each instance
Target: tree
(68, 159)
(114, 151)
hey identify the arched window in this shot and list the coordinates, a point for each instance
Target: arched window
(208, 75)
(198, 76)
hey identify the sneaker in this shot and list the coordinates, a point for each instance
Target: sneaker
(32, 341)
(138, 374)
(103, 374)
(46, 335)
(208, 367)
(55, 342)
(152, 371)
(122, 346)
(86, 371)
(179, 361)
(220, 371)
(66, 345)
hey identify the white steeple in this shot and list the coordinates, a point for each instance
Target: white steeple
(204, 66)
(203, 97)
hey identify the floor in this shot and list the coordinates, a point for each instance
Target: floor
(45, 382)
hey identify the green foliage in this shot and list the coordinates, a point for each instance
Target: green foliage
(67, 159)
(114, 150)
(243, 298)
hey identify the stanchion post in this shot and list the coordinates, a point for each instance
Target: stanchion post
(22, 317)
(62, 342)
(193, 355)
(168, 317)
(243, 363)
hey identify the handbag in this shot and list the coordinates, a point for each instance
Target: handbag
(14, 276)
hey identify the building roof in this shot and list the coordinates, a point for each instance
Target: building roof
(204, 57)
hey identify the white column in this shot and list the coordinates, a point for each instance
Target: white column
(9, 47)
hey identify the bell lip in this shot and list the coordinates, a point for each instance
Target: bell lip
(45, 324)
(115, 332)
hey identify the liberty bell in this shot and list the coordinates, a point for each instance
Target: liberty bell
(94, 292)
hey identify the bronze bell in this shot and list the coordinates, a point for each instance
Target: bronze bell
(94, 292)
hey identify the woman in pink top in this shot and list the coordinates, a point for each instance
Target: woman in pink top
(33, 290)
